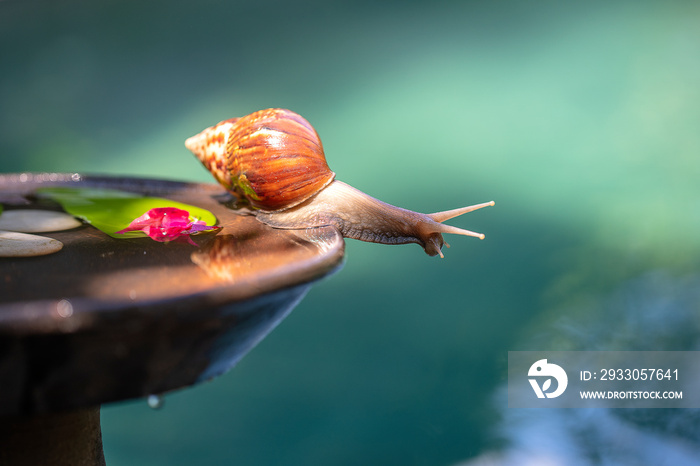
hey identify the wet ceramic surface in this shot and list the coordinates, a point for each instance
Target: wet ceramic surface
(108, 319)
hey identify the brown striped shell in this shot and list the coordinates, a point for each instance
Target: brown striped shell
(273, 158)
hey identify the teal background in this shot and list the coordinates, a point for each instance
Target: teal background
(581, 120)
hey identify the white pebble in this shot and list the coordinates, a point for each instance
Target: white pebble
(13, 244)
(37, 221)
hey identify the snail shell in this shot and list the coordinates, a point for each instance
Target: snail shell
(274, 159)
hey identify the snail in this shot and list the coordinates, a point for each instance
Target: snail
(275, 161)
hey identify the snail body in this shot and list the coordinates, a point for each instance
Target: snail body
(274, 160)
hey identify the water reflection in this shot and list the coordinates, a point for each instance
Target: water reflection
(654, 312)
(219, 258)
(323, 239)
(230, 258)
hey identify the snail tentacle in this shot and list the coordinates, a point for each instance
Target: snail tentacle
(448, 214)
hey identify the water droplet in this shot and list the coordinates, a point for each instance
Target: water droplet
(64, 308)
(155, 401)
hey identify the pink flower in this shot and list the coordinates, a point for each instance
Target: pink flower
(165, 224)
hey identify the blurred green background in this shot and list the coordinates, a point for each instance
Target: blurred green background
(581, 120)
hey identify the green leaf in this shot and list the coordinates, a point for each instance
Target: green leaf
(112, 210)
